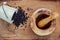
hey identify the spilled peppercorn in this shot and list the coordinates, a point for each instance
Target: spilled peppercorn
(19, 17)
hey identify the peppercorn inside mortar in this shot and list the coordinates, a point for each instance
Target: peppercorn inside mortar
(43, 15)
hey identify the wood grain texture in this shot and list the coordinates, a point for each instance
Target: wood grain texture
(7, 30)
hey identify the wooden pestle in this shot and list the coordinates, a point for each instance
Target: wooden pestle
(43, 22)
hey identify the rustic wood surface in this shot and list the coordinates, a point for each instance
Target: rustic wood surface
(7, 31)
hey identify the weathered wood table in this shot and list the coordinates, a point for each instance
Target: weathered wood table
(25, 32)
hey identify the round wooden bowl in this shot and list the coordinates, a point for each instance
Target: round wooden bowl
(37, 30)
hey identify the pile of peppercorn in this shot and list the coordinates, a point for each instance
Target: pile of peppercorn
(19, 17)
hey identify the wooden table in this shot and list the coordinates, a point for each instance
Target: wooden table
(7, 30)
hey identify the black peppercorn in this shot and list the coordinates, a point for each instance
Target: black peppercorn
(19, 17)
